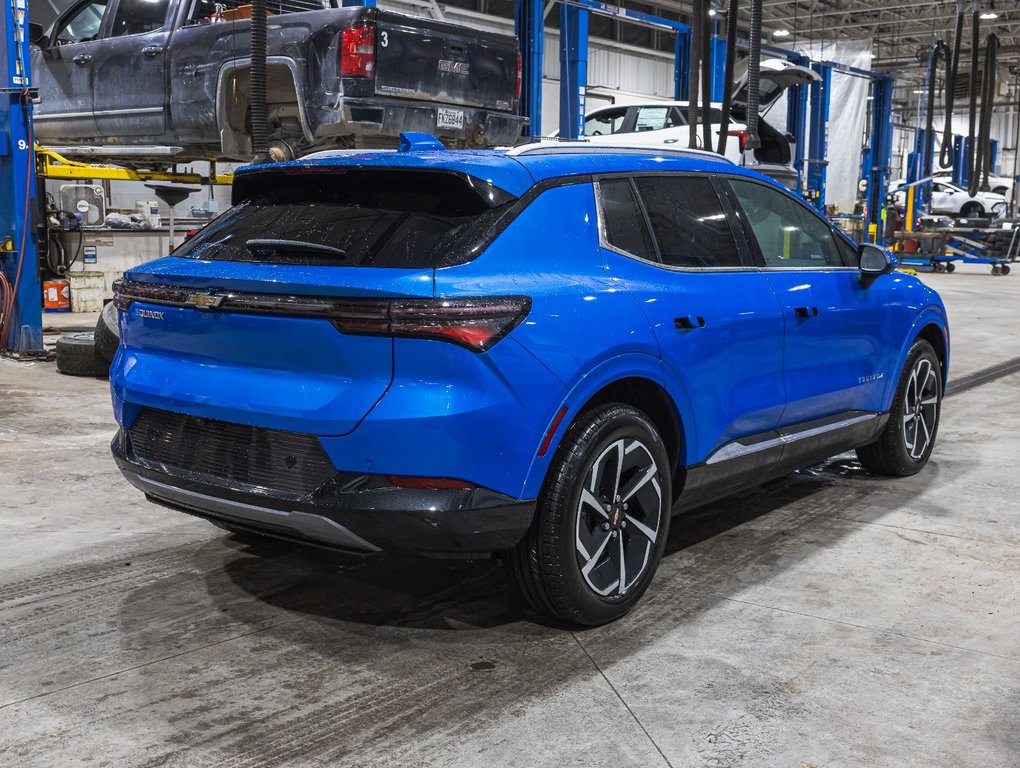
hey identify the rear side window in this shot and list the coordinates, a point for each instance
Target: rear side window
(624, 220)
(353, 218)
(135, 17)
(688, 221)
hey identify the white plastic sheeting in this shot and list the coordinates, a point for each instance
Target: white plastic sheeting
(848, 105)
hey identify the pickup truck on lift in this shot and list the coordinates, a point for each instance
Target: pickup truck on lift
(148, 80)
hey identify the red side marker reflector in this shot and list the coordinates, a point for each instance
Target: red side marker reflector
(552, 431)
(429, 483)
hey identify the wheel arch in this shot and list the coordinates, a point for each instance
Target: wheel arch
(932, 326)
(636, 380)
(934, 334)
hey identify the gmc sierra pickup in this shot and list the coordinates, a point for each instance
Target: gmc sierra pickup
(171, 78)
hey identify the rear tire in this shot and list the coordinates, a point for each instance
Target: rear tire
(77, 356)
(601, 522)
(906, 443)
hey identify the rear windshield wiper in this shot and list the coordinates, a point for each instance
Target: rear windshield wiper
(293, 246)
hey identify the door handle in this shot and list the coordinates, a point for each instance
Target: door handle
(806, 311)
(82, 58)
(151, 51)
(689, 321)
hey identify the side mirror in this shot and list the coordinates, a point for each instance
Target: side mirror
(875, 260)
(36, 34)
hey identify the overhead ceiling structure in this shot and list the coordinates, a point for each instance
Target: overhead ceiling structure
(901, 32)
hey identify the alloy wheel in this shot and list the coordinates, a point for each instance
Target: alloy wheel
(920, 408)
(618, 517)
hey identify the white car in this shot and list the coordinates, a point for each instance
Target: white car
(665, 123)
(1000, 185)
(952, 200)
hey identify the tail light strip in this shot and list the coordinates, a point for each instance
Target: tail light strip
(476, 323)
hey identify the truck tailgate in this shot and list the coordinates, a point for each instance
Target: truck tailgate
(438, 62)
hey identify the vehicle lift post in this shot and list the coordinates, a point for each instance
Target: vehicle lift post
(529, 26)
(880, 153)
(819, 139)
(573, 69)
(18, 180)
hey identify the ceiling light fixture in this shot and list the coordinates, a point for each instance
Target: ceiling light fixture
(989, 15)
(781, 33)
(711, 11)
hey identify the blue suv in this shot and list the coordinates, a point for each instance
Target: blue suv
(541, 353)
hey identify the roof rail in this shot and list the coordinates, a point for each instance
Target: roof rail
(594, 148)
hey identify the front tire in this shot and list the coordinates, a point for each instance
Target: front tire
(972, 211)
(601, 522)
(908, 438)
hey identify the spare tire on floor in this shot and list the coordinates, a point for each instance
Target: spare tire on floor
(77, 356)
(108, 333)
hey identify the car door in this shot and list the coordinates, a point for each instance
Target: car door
(942, 198)
(837, 325)
(668, 241)
(62, 71)
(130, 70)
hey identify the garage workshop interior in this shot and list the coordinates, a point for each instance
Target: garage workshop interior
(509, 383)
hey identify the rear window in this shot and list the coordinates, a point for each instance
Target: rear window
(353, 218)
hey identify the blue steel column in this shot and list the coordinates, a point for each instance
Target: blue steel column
(961, 173)
(881, 155)
(17, 177)
(796, 123)
(529, 25)
(818, 148)
(718, 53)
(573, 69)
(682, 65)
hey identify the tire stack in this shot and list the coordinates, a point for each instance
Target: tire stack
(90, 353)
(998, 243)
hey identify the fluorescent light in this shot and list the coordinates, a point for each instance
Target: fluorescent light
(711, 11)
(920, 90)
(781, 33)
(989, 15)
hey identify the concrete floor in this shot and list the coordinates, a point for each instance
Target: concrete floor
(828, 619)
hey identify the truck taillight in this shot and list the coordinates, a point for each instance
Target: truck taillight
(475, 323)
(517, 85)
(357, 51)
(741, 137)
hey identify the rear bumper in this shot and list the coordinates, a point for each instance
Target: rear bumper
(450, 523)
(388, 117)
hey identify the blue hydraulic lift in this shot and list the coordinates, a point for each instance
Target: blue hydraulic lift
(17, 180)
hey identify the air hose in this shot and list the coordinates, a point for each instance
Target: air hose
(258, 88)
(974, 46)
(731, 62)
(952, 67)
(983, 161)
(753, 141)
(697, 17)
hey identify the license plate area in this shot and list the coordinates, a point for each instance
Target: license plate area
(450, 118)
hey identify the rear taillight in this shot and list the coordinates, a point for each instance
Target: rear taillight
(357, 51)
(475, 323)
(741, 137)
(517, 84)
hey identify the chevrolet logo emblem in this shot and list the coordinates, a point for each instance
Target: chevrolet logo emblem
(205, 300)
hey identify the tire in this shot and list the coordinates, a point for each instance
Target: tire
(1005, 269)
(77, 356)
(568, 565)
(972, 211)
(107, 333)
(950, 267)
(914, 417)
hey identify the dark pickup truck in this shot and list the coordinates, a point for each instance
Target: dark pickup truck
(170, 78)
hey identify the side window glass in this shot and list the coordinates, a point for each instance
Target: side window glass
(653, 119)
(688, 222)
(789, 234)
(605, 123)
(624, 221)
(135, 17)
(82, 26)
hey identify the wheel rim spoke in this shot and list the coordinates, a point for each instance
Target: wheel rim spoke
(647, 532)
(587, 497)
